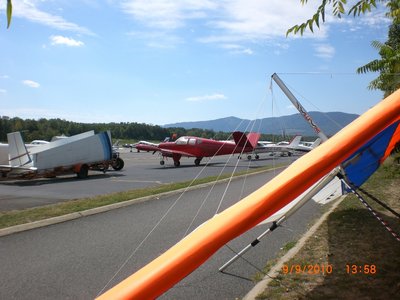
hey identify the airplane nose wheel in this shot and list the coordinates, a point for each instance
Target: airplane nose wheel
(162, 162)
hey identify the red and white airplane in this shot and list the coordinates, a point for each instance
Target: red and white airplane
(197, 147)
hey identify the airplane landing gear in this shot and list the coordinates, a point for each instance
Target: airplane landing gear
(162, 162)
(177, 163)
(197, 161)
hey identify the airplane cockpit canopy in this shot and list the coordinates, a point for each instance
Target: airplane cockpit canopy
(185, 140)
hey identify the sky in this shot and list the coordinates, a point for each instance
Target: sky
(161, 62)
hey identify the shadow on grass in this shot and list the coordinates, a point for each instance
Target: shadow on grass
(364, 255)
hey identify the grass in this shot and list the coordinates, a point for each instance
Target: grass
(350, 236)
(17, 217)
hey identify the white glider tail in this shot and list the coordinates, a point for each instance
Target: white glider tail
(18, 154)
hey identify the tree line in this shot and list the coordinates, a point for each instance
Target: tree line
(45, 129)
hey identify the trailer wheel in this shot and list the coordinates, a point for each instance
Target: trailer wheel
(83, 172)
(118, 164)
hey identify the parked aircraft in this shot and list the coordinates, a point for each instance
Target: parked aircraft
(308, 146)
(197, 147)
(145, 146)
(284, 148)
(360, 148)
(75, 154)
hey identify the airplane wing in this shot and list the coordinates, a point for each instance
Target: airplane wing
(170, 153)
(188, 254)
(333, 189)
(147, 147)
(60, 142)
(316, 143)
(364, 162)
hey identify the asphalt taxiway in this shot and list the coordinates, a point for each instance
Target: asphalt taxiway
(80, 258)
(141, 170)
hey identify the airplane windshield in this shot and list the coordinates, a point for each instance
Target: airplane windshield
(182, 140)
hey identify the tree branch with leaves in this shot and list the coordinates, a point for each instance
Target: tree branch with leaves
(389, 64)
(9, 12)
(338, 10)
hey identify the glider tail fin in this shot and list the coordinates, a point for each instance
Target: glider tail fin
(18, 154)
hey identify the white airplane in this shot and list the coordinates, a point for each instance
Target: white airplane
(283, 148)
(144, 146)
(308, 146)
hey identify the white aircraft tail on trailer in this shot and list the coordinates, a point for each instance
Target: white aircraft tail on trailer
(18, 154)
(76, 154)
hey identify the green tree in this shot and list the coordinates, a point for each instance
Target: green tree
(389, 64)
(339, 9)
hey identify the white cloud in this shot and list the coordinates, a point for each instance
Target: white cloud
(237, 49)
(29, 10)
(374, 19)
(157, 39)
(324, 51)
(225, 21)
(215, 96)
(238, 21)
(4, 76)
(164, 14)
(31, 83)
(249, 18)
(3, 91)
(255, 20)
(62, 40)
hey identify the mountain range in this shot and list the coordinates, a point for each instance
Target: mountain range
(329, 122)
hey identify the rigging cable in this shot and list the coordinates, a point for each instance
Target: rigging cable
(371, 210)
(250, 127)
(379, 202)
